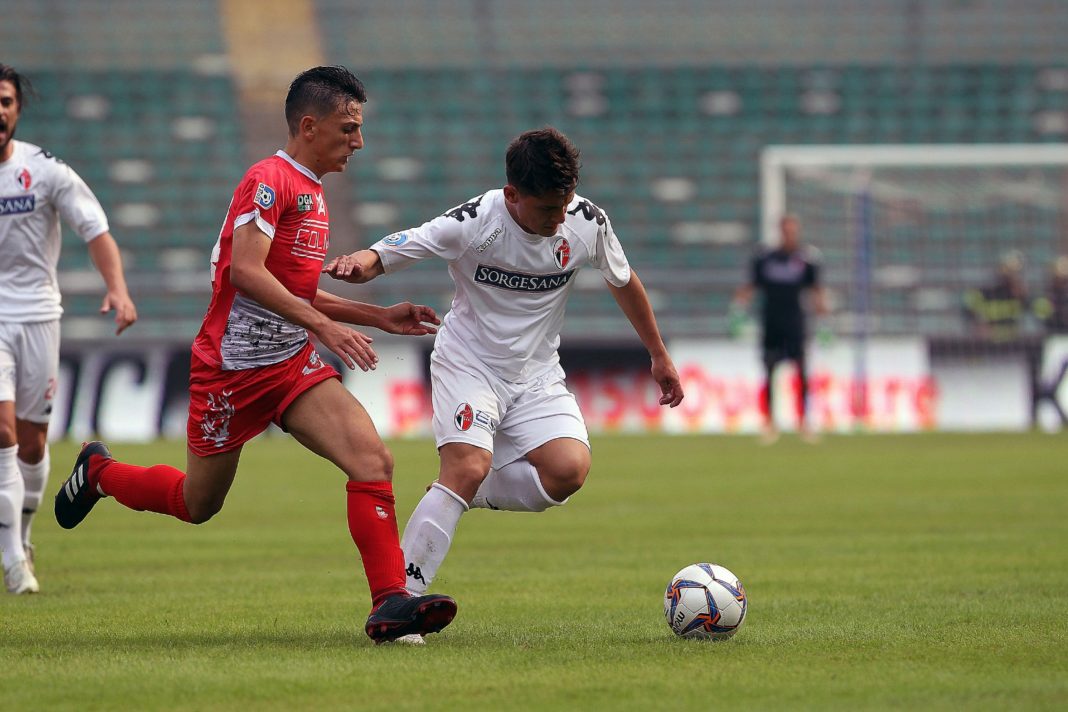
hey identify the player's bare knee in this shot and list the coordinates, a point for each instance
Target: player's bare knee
(7, 435)
(202, 509)
(564, 476)
(464, 480)
(471, 477)
(31, 453)
(562, 482)
(375, 465)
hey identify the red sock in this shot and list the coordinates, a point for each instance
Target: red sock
(154, 489)
(764, 402)
(373, 526)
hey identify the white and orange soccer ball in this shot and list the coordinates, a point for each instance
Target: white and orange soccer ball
(705, 601)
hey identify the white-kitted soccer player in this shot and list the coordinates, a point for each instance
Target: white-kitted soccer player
(509, 434)
(36, 190)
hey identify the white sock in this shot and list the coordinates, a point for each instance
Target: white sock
(11, 493)
(428, 535)
(36, 479)
(516, 487)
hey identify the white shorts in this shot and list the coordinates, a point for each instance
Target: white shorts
(29, 367)
(473, 406)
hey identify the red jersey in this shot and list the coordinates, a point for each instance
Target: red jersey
(286, 201)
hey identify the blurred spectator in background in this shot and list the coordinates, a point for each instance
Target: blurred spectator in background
(996, 311)
(781, 275)
(1052, 308)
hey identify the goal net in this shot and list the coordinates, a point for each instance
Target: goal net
(956, 247)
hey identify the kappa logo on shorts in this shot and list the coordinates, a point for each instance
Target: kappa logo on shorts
(464, 417)
(264, 196)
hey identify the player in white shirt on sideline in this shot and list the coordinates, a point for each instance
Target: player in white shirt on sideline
(36, 190)
(509, 434)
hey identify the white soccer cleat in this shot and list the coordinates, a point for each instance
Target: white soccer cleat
(19, 579)
(410, 639)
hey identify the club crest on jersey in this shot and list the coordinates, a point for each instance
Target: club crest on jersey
(395, 240)
(264, 196)
(465, 416)
(25, 180)
(304, 203)
(562, 252)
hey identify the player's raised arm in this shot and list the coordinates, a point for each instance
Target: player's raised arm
(356, 268)
(634, 302)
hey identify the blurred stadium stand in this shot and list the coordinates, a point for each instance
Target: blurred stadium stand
(670, 102)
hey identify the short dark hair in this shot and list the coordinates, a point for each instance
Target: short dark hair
(542, 161)
(22, 85)
(320, 90)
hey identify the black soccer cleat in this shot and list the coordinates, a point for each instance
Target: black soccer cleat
(76, 497)
(402, 615)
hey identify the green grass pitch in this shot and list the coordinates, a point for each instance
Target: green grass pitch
(883, 572)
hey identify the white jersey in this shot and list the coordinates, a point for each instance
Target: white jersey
(511, 286)
(36, 189)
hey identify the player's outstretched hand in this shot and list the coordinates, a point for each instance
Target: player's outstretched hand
(409, 319)
(667, 378)
(125, 311)
(350, 345)
(346, 268)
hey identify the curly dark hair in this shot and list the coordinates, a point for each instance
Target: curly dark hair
(320, 90)
(22, 85)
(542, 161)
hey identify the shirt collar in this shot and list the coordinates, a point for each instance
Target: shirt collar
(303, 169)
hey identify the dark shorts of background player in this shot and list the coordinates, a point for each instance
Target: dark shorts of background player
(783, 347)
(229, 408)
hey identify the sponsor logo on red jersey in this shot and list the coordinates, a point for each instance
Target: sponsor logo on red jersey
(562, 252)
(465, 416)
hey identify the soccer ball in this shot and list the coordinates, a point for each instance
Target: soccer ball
(705, 601)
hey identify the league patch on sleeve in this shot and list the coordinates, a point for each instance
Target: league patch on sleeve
(395, 240)
(264, 196)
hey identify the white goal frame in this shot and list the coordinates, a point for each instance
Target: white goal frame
(775, 159)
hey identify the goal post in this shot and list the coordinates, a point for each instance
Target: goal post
(951, 244)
